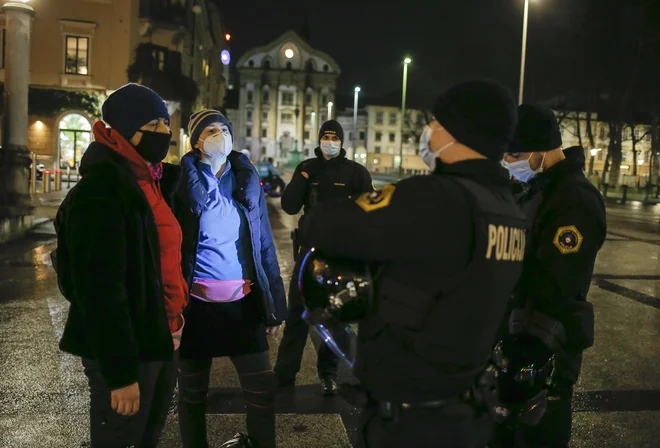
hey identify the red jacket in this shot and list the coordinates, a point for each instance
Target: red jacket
(169, 231)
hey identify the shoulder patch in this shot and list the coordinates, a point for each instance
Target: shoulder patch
(568, 240)
(376, 199)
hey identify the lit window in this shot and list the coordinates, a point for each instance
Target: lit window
(77, 55)
(158, 56)
(287, 98)
(205, 68)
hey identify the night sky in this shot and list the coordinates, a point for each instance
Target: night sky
(449, 40)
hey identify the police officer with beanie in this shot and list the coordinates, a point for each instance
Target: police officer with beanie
(448, 249)
(567, 226)
(330, 175)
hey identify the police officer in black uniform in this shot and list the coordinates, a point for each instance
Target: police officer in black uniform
(330, 175)
(448, 249)
(567, 227)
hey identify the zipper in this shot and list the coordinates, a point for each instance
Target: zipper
(269, 303)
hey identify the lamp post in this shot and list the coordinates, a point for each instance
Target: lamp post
(406, 61)
(355, 109)
(524, 53)
(330, 110)
(15, 204)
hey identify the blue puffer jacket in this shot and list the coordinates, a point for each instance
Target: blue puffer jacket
(188, 198)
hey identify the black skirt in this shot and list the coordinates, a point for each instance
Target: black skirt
(223, 329)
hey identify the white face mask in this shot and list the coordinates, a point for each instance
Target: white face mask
(429, 155)
(217, 146)
(329, 148)
(521, 169)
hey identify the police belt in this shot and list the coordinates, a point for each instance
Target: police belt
(390, 410)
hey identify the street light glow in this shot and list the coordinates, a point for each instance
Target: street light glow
(594, 151)
(357, 89)
(313, 114)
(288, 53)
(407, 61)
(225, 57)
(227, 37)
(640, 162)
(330, 104)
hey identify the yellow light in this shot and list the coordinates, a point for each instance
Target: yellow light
(407, 61)
(227, 37)
(640, 162)
(288, 53)
(39, 124)
(625, 167)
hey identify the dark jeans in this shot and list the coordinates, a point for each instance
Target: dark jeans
(553, 431)
(456, 426)
(256, 377)
(111, 430)
(292, 345)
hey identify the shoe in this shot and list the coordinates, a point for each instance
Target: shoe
(328, 387)
(240, 440)
(282, 384)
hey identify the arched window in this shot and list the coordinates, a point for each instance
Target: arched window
(326, 68)
(250, 63)
(309, 67)
(266, 64)
(289, 66)
(74, 136)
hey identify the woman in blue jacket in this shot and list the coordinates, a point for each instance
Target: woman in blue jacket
(236, 291)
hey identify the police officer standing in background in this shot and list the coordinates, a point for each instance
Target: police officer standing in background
(567, 226)
(449, 249)
(330, 175)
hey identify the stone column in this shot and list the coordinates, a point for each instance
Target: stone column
(15, 204)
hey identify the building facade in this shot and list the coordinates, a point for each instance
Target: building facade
(384, 139)
(83, 50)
(595, 157)
(287, 90)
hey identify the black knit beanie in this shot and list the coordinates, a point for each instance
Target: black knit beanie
(332, 127)
(537, 130)
(480, 115)
(132, 106)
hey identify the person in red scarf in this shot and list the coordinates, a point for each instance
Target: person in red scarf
(119, 255)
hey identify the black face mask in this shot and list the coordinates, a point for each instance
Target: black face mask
(154, 146)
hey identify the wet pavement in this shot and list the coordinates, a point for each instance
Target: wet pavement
(44, 398)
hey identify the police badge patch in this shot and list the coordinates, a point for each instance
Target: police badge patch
(568, 240)
(376, 199)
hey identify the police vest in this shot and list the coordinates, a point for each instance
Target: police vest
(454, 328)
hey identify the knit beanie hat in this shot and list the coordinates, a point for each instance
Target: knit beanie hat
(480, 115)
(132, 106)
(203, 118)
(332, 127)
(537, 130)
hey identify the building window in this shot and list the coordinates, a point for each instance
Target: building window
(392, 118)
(289, 66)
(286, 117)
(249, 115)
(600, 154)
(287, 98)
(377, 149)
(361, 135)
(74, 137)
(602, 133)
(206, 68)
(326, 68)
(392, 137)
(324, 99)
(250, 63)
(264, 133)
(306, 135)
(158, 58)
(77, 55)
(406, 138)
(648, 136)
(264, 116)
(308, 99)
(266, 97)
(379, 118)
(324, 117)
(249, 97)
(379, 136)
(248, 131)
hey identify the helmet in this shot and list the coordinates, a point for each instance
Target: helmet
(240, 440)
(335, 294)
(524, 371)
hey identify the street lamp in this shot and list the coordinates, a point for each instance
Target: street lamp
(524, 53)
(330, 110)
(406, 61)
(355, 109)
(313, 127)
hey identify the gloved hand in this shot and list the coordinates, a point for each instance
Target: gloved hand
(176, 336)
